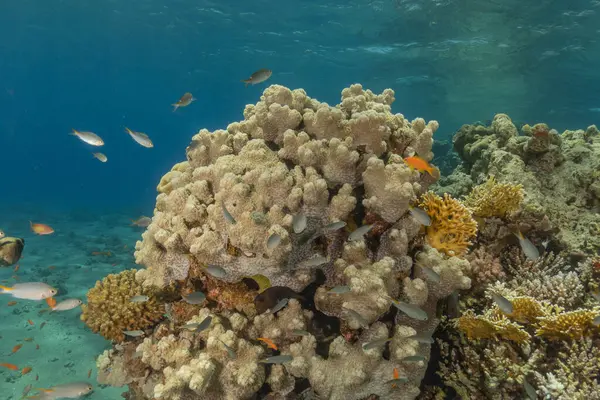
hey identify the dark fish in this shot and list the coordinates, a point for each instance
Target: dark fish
(273, 295)
(259, 76)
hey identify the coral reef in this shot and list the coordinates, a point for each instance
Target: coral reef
(313, 201)
(558, 172)
(109, 309)
(494, 199)
(10, 250)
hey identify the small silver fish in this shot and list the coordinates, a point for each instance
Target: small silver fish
(415, 358)
(430, 274)
(184, 101)
(420, 215)
(100, 157)
(230, 352)
(228, 217)
(300, 332)
(313, 262)
(596, 321)
(530, 390)
(354, 314)
(280, 359)
(334, 226)
(29, 291)
(375, 343)
(529, 249)
(411, 310)
(273, 241)
(259, 76)
(136, 333)
(194, 298)
(141, 138)
(359, 233)
(216, 271)
(67, 304)
(73, 390)
(192, 326)
(140, 299)
(88, 137)
(204, 324)
(339, 290)
(27, 389)
(279, 306)
(299, 223)
(503, 304)
(425, 339)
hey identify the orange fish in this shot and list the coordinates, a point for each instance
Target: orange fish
(41, 229)
(396, 376)
(11, 303)
(17, 348)
(30, 322)
(16, 268)
(268, 342)
(416, 162)
(101, 253)
(9, 366)
(25, 370)
(51, 301)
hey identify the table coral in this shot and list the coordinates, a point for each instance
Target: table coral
(109, 309)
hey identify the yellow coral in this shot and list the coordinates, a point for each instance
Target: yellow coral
(569, 325)
(110, 311)
(488, 327)
(525, 310)
(493, 199)
(452, 226)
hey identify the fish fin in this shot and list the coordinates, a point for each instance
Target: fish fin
(518, 234)
(246, 82)
(175, 107)
(73, 133)
(5, 289)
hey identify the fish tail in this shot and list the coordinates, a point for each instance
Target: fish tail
(246, 82)
(175, 107)
(73, 133)
(5, 289)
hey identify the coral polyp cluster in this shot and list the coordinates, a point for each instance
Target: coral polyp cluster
(110, 309)
(494, 199)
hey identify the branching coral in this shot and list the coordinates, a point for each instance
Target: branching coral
(109, 309)
(452, 226)
(494, 199)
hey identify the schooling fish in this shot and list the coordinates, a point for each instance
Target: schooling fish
(279, 306)
(375, 343)
(415, 358)
(430, 274)
(272, 296)
(88, 137)
(139, 299)
(73, 390)
(67, 304)
(280, 359)
(424, 338)
(29, 291)
(530, 390)
(142, 222)
(41, 229)
(529, 249)
(503, 303)
(9, 366)
(141, 138)
(420, 215)
(299, 223)
(354, 314)
(227, 215)
(359, 233)
(194, 298)
(100, 157)
(416, 162)
(270, 344)
(216, 271)
(259, 76)
(411, 310)
(184, 101)
(204, 324)
(339, 290)
(230, 352)
(313, 262)
(136, 333)
(273, 241)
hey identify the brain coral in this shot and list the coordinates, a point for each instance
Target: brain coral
(109, 309)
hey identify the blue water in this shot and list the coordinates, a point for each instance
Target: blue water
(103, 65)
